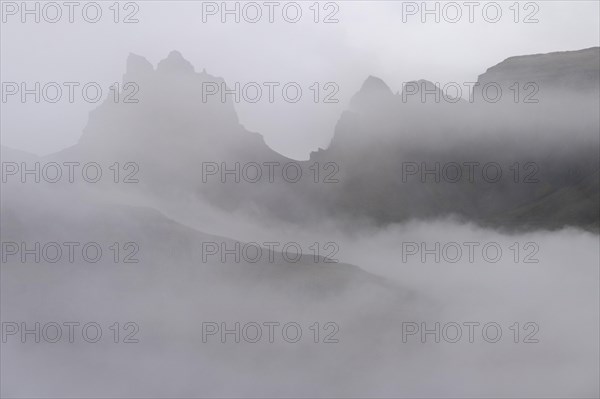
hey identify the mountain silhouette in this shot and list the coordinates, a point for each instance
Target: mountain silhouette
(175, 128)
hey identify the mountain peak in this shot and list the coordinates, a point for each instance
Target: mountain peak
(175, 63)
(137, 64)
(373, 92)
(374, 84)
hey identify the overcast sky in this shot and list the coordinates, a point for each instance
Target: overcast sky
(370, 38)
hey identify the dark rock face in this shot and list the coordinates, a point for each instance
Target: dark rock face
(555, 135)
(567, 71)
